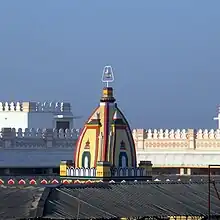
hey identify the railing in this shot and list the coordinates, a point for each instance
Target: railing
(115, 172)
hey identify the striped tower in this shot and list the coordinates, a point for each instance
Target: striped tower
(106, 137)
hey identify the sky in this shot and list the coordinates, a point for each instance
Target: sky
(165, 56)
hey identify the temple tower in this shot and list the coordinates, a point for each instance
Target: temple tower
(106, 137)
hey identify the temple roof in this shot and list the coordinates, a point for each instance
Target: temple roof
(133, 200)
(142, 199)
(106, 129)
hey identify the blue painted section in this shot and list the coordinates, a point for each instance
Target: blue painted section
(120, 158)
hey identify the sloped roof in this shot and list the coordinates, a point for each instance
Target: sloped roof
(34, 158)
(19, 202)
(130, 200)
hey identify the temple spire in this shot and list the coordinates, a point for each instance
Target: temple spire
(107, 92)
(107, 75)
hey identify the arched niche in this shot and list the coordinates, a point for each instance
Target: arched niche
(86, 159)
(123, 159)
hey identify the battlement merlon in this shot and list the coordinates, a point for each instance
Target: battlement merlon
(54, 107)
(178, 134)
(39, 133)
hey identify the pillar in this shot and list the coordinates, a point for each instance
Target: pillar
(139, 136)
(181, 171)
(191, 138)
(188, 171)
(147, 165)
(103, 169)
(64, 164)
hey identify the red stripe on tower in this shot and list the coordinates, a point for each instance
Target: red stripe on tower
(106, 131)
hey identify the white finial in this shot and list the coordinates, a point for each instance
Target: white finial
(107, 75)
(218, 117)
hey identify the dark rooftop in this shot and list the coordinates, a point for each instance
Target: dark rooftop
(19, 202)
(131, 200)
(104, 200)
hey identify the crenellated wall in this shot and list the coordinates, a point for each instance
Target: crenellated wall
(35, 107)
(11, 138)
(182, 149)
(35, 114)
(147, 140)
(164, 148)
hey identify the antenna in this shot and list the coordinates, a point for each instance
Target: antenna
(107, 75)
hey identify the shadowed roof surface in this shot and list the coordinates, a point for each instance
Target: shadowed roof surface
(103, 200)
(19, 202)
(130, 200)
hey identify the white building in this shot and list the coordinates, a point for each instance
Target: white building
(36, 115)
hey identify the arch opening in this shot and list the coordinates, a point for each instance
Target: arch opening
(86, 159)
(123, 160)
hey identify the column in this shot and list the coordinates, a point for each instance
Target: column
(188, 171)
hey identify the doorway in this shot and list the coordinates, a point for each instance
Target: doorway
(62, 124)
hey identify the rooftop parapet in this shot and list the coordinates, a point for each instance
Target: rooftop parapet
(11, 138)
(184, 134)
(35, 107)
(39, 133)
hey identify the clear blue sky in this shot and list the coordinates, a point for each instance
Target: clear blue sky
(165, 54)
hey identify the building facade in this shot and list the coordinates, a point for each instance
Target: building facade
(23, 135)
(170, 151)
(182, 152)
(35, 150)
(36, 115)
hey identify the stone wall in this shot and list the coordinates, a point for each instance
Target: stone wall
(164, 148)
(37, 139)
(145, 140)
(176, 140)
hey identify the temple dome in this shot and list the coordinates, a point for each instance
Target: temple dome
(106, 136)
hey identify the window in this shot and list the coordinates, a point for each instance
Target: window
(86, 159)
(62, 124)
(123, 159)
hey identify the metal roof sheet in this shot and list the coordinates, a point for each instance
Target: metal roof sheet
(19, 202)
(132, 200)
